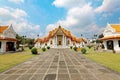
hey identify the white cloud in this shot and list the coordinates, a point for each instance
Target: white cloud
(17, 1)
(68, 3)
(78, 20)
(109, 6)
(19, 13)
(78, 16)
(23, 27)
(51, 27)
(17, 17)
(11, 13)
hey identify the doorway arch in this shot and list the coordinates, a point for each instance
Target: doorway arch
(110, 45)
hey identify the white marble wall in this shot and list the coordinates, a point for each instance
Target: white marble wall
(3, 47)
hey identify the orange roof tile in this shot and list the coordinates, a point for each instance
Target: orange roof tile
(38, 40)
(111, 37)
(79, 40)
(116, 27)
(3, 28)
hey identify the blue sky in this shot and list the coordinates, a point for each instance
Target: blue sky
(33, 17)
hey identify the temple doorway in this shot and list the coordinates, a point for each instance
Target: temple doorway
(110, 45)
(59, 42)
(10, 46)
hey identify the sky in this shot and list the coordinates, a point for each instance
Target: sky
(37, 17)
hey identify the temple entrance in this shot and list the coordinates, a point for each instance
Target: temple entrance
(59, 42)
(110, 45)
(10, 46)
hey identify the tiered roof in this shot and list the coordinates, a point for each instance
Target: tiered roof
(53, 32)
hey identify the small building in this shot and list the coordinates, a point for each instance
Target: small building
(111, 39)
(59, 38)
(7, 39)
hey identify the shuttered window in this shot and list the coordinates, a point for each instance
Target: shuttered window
(0, 44)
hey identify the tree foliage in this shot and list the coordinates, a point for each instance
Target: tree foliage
(24, 40)
(101, 36)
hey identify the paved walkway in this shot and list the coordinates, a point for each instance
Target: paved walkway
(59, 64)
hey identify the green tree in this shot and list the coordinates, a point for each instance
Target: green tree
(101, 36)
(25, 40)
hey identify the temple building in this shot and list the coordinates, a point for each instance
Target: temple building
(7, 39)
(111, 39)
(59, 38)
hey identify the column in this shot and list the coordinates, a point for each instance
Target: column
(105, 45)
(63, 41)
(56, 40)
(3, 46)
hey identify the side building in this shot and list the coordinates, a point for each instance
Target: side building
(111, 39)
(7, 39)
(59, 38)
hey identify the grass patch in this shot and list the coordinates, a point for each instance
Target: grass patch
(12, 59)
(107, 59)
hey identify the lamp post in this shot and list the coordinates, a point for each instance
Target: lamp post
(38, 35)
(38, 41)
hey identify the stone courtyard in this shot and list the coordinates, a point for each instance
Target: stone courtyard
(59, 64)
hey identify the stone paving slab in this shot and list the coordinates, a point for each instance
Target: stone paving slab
(59, 64)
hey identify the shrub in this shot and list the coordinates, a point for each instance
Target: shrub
(30, 46)
(89, 46)
(83, 50)
(43, 49)
(75, 48)
(48, 47)
(71, 47)
(34, 50)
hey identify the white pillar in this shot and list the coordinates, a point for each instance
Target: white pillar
(105, 45)
(56, 40)
(3, 46)
(63, 41)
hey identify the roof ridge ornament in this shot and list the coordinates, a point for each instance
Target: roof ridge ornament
(11, 25)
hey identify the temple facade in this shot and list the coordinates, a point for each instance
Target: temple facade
(7, 39)
(59, 38)
(111, 39)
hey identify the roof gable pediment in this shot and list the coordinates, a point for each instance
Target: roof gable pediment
(108, 30)
(59, 32)
(9, 32)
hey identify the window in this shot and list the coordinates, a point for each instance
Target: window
(45, 44)
(119, 43)
(110, 45)
(0, 44)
